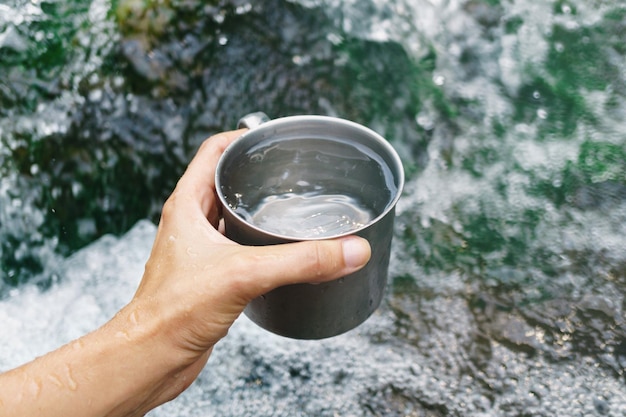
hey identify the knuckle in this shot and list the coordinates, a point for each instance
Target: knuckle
(320, 257)
(220, 141)
(245, 278)
(206, 143)
(169, 208)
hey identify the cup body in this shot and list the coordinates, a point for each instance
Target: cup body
(307, 178)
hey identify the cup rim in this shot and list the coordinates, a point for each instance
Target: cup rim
(390, 150)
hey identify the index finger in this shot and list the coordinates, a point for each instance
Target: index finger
(198, 181)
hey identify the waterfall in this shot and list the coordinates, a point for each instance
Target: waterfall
(508, 270)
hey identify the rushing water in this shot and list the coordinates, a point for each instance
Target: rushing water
(508, 270)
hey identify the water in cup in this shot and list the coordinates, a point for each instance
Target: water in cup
(309, 215)
(309, 188)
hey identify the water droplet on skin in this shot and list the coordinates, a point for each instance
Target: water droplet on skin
(132, 317)
(55, 380)
(122, 335)
(71, 383)
(77, 344)
(37, 388)
(34, 387)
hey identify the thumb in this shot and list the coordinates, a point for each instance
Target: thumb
(267, 267)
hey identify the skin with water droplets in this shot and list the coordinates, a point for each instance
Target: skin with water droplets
(132, 317)
(55, 380)
(123, 335)
(71, 383)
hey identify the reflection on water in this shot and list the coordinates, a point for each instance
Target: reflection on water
(508, 272)
(310, 215)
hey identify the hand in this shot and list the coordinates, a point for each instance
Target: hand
(199, 281)
(196, 283)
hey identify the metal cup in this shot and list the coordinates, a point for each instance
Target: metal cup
(306, 178)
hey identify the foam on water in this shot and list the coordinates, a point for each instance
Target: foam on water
(365, 372)
(35, 321)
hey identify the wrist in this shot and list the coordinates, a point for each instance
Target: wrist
(125, 368)
(130, 366)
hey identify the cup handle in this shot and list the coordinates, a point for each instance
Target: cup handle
(252, 120)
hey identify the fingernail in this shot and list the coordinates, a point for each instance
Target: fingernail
(356, 252)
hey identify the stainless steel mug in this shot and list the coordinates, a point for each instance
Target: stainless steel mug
(305, 178)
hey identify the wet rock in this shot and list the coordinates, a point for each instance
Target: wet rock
(451, 369)
(146, 89)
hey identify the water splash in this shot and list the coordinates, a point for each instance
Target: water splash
(432, 361)
(101, 132)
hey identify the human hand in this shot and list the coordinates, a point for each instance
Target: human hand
(197, 282)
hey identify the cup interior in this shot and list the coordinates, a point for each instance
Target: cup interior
(309, 177)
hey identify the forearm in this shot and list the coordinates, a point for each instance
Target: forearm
(125, 368)
(195, 286)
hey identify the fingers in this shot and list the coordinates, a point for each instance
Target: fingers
(261, 269)
(201, 169)
(198, 182)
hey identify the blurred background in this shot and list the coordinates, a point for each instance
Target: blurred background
(508, 273)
